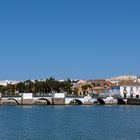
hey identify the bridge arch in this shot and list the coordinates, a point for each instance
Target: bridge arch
(44, 99)
(121, 101)
(16, 101)
(76, 102)
(101, 101)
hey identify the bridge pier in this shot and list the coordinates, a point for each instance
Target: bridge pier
(27, 99)
(58, 99)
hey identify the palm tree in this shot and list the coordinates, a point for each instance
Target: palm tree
(85, 88)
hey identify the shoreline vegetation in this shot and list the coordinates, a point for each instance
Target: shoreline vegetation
(37, 87)
(97, 87)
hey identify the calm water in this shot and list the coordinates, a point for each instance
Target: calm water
(70, 123)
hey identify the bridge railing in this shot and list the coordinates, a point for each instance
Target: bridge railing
(14, 96)
(10, 96)
(42, 95)
(71, 96)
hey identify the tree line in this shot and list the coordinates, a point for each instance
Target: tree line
(38, 87)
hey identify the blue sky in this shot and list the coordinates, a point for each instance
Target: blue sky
(69, 39)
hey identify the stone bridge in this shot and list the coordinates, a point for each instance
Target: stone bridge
(79, 100)
(20, 101)
(47, 100)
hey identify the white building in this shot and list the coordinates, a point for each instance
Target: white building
(6, 82)
(124, 77)
(130, 91)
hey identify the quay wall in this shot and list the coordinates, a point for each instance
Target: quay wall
(132, 101)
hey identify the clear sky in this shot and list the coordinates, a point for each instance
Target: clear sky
(69, 39)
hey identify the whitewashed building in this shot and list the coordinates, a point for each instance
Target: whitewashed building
(6, 82)
(130, 91)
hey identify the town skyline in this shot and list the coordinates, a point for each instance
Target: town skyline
(90, 78)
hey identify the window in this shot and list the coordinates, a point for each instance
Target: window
(124, 95)
(137, 96)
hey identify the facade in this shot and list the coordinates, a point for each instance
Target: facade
(115, 91)
(130, 91)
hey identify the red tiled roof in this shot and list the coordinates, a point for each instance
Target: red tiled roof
(109, 83)
(97, 81)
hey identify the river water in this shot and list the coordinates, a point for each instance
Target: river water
(70, 122)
